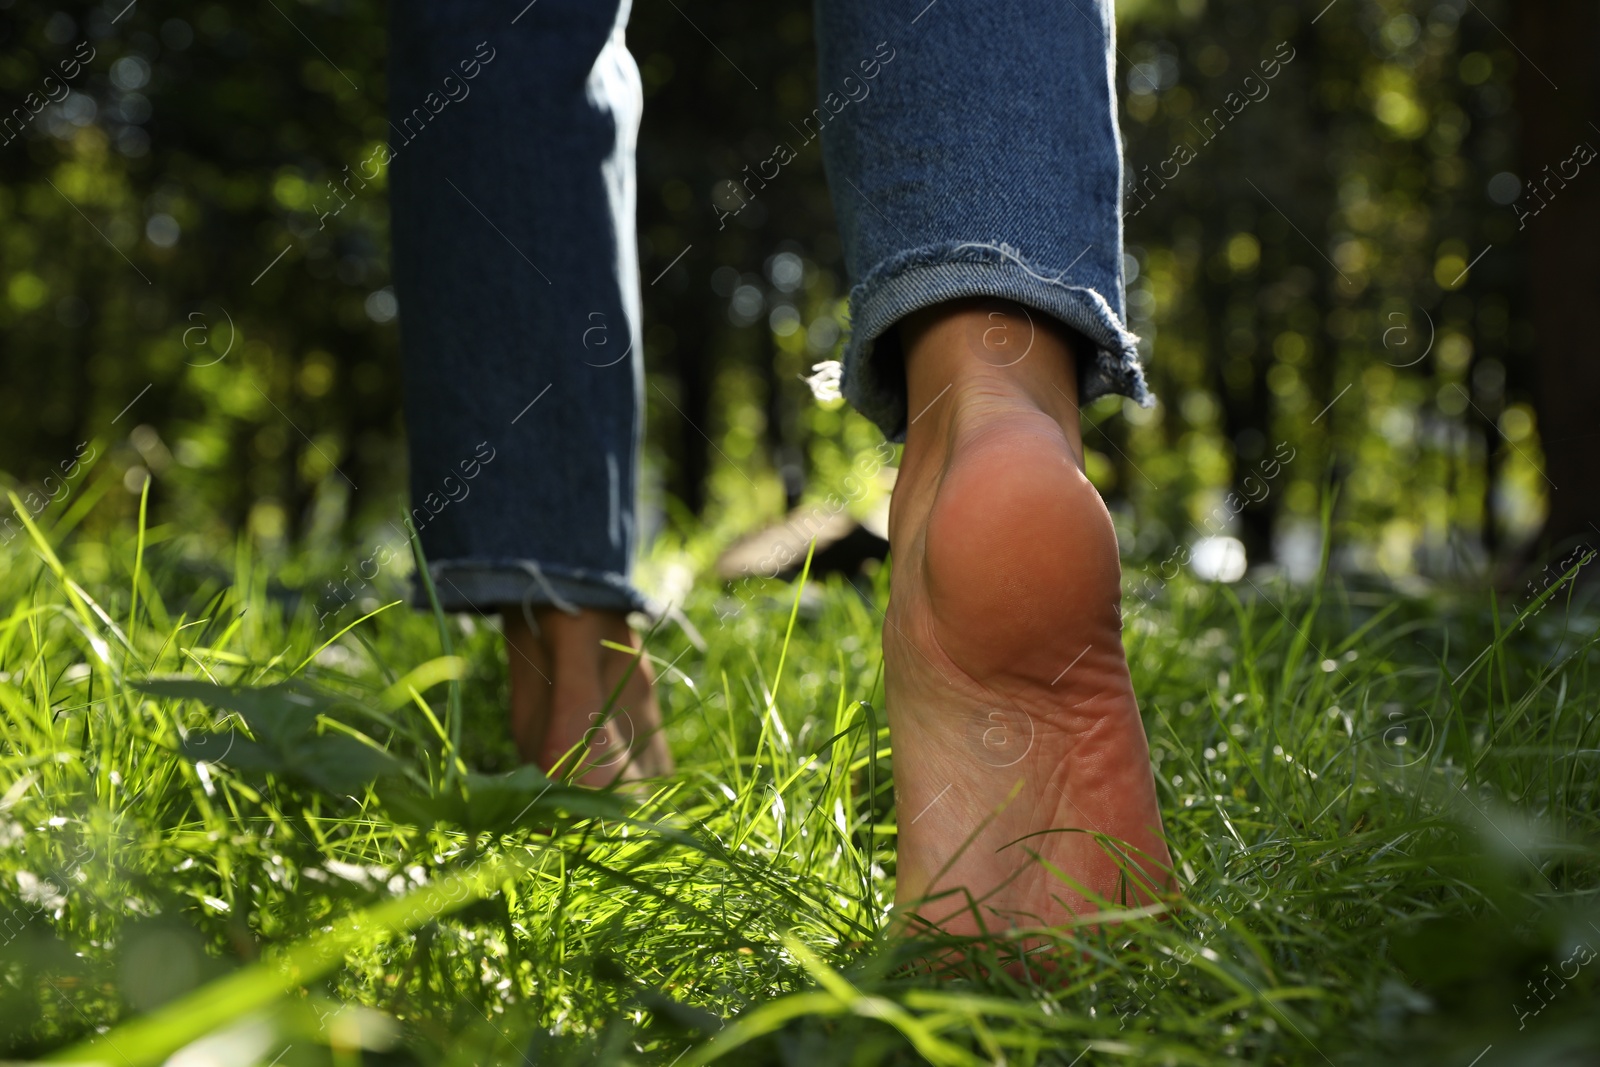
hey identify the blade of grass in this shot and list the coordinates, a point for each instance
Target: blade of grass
(138, 561)
(455, 767)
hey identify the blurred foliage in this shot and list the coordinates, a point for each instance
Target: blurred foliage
(1299, 251)
(1304, 278)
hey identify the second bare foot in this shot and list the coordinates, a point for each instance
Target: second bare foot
(563, 717)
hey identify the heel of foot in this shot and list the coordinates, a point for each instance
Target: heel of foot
(1021, 556)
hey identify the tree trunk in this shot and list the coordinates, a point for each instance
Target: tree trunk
(1561, 39)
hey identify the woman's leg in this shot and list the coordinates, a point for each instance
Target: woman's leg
(975, 166)
(512, 190)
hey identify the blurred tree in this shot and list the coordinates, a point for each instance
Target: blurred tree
(1309, 192)
(171, 291)
(1560, 207)
(1331, 175)
(716, 106)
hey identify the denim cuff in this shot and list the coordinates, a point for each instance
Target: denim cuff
(873, 376)
(486, 586)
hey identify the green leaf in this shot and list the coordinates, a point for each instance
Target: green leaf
(285, 736)
(522, 798)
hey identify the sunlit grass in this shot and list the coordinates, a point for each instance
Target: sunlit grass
(1383, 809)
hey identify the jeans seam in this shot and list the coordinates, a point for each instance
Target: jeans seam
(524, 580)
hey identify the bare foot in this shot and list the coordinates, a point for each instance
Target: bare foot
(561, 679)
(1021, 766)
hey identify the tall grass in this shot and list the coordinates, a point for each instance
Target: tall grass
(228, 836)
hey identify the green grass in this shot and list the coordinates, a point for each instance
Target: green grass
(1383, 808)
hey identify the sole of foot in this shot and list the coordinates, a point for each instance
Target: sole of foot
(1023, 780)
(568, 714)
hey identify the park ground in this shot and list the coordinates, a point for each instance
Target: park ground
(231, 836)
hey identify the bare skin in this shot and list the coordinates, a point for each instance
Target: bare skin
(1022, 771)
(561, 678)
(1009, 702)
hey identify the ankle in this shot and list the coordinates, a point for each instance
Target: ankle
(968, 360)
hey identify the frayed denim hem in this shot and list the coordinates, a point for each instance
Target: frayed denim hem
(873, 377)
(486, 586)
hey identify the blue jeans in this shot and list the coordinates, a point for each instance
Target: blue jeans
(971, 150)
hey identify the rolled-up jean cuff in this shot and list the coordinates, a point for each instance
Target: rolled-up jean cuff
(873, 375)
(488, 585)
